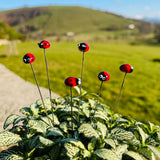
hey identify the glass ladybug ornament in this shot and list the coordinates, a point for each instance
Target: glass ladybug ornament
(44, 44)
(103, 76)
(28, 58)
(126, 68)
(72, 81)
(84, 47)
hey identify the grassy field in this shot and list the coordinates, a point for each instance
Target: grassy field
(141, 94)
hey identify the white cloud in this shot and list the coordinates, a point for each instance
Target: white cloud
(147, 8)
(138, 17)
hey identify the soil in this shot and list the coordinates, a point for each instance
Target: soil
(16, 93)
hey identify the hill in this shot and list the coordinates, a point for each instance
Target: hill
(6, 32)
(58, 20)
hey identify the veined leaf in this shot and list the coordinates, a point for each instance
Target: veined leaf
(134, 155)
(38, 125)
(7, 138)
(88, 131)
(46, 142)
(121, 134)
(154, 150)
(120, 150)
(34, 109)
(101, 114)
(75, 142)
(10, 120)
(8, 155)
(71, 150)
(143, 135)
(147, 153)
(110, 142)
(102, 128)
(26, 111)
(106, 154)
(64, 127)
(54, 132)
(83, 92)
(92, 102)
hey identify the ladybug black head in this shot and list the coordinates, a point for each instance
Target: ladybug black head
(126, 68)
(103, 76)
(83, 47)
(28, 58)
(44, 44)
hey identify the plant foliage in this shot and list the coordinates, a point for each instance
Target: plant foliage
(57, 135)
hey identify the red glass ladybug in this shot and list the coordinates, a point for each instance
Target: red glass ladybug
(44, 44)
(126, 68)
(103, 76)
(28, 58)
(84, 47)
(72, 81)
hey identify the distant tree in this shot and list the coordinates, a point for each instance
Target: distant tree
(157, 32)
(145, 27)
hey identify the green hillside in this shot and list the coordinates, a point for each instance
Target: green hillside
(58, 20)
(7, 32)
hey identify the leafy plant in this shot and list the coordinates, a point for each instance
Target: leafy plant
(104, 136)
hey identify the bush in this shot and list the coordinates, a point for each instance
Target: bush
(56, 135)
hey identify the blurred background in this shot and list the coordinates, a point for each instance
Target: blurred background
(117, 31)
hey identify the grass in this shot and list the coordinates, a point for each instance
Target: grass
(140, 96)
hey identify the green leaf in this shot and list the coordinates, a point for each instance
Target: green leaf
(44, 157)
(154, 150)
(106, 154)
(120, 150)
(147, 153)
(101, 114)
(110, 142)
(46, 142)
(26, 111)
(134, 155)
(54, 153)
(102, 128)
(7, 138)
(121, 134)
(54, 132)
(38, 125)
(64, 127)
(83, 92)
(75, 142)
(47, 103)
(143, 135)
(88, 131)
(71, 150)
(10, 120)
(8, 155)
(35, 109)
(19, 120)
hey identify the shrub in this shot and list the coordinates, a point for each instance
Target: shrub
(59, 136)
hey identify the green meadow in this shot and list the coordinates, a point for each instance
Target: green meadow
(140, 96)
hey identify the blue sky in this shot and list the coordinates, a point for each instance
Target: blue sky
(129, 8)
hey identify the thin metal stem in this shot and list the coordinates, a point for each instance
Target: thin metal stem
(98, 99)
(120, 93)
(50, 96)
(47, 74)
(72, 111)
(80, 97)
(39, 92)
